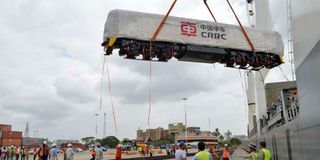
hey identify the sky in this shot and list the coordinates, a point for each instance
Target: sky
(51, 61)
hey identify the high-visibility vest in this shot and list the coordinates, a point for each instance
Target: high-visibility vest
(226, 153)
(267, 154)
(35, 151)
(41, 152)
(254, 156)
(211, 149)
(203, 155)
(118, 152)
(22, 152)
(93, 152)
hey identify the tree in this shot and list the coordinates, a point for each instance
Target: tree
(221, 137)
(217, 132)
(110, 141)
(228, 135)
(87, 140)
(235, 141)
(99, 141)
(125, 141)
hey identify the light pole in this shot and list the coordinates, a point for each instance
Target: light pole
(185, 118)
(96, 115)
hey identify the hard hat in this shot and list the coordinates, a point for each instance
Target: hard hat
(44, 142)
(226, 145)
(252, 146)
(181, 143)
(69, 145)
(54, 144)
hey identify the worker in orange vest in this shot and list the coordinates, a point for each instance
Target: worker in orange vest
(118, 152)
(35, 150)
(44, 151)
(93, 153)
(213, 153)
(226, 153)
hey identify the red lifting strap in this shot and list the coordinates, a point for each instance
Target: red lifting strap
(242, 29)
(155, 35)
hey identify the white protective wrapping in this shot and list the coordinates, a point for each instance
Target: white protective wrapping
(141, 26)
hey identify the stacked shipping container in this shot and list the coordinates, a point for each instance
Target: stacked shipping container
(5, 127)
(8, 137)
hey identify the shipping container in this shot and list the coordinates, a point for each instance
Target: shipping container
(10, 142)
(5, 127)
(11, 134)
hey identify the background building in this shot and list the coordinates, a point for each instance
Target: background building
(153, 134)
(193, 129)
(175, 128)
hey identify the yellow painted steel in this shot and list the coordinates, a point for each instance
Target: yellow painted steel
(111, 41)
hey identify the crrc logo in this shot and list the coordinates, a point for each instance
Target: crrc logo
(188, 29)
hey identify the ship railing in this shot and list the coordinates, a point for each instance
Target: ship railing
(292, 112)
(277, 119)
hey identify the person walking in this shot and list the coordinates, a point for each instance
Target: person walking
(202, 154)
(69, 152)
(226, 153)
(17, 153)
(99, 153)
(44, 151)
(253, 154)
(3, 153)
(181, 153)
(64, 153)
(212, 151)
(118, 152)
(264, 153)
(11, 153)
(26, 153)
(22, 153)
(53, 152)
(93, 153)
(35, 152)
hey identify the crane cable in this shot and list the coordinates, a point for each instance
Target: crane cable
(105, 65)
(101, 83)
(242, 28)
(284, 75)
(244, 93)
(150, 90)
(205, 2)
(154, 37)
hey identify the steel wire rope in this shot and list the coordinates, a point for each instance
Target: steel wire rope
(205, 3)
(154, 37)
(242, 28)
(285, 76)
(244, 93)
(101, 82)
(111, 97)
